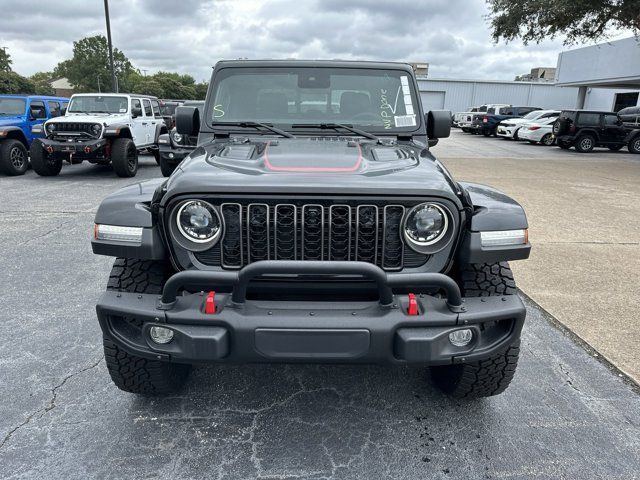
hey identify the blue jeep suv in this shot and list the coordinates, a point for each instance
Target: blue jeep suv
(18, 114)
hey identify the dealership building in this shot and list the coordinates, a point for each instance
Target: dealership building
(601, 77)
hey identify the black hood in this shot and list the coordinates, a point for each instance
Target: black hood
(311, 165)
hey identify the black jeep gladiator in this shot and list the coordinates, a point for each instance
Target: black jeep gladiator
(311, 224)
(586, 129)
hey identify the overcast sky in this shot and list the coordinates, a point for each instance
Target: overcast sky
(189, 36)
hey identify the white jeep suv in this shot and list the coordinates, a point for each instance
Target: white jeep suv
(101, 128)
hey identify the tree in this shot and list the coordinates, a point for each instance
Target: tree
(5, 61)
(88, 70)
(11, 82)
(42, 83)
(168, 85)
(583, 20)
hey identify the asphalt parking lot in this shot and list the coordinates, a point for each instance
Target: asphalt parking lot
(566, 415)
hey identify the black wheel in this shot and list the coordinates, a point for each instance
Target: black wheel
(167, 168)
(585, 143)
(13, 157)
(42, 162)
(491, 376)
(124, 157)
(129, 372)
(486, 133)
(547, 139)
(515, 135)
(634, 144)
(563, 145)
(156, 154)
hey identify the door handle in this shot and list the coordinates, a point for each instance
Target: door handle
(144, 123)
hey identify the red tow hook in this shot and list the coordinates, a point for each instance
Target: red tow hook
(413, 305)
(210, 303)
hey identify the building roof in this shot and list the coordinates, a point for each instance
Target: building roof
(613, 65)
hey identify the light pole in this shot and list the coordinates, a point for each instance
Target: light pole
(114, 84)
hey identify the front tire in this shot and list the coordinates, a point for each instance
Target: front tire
(13, 157)
(42, 162)
(124, 157)
(167, 168)
(491, 376)
(132, 373)
(634, 145)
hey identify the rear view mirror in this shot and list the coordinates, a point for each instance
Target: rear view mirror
(187, 121)
(438, 124)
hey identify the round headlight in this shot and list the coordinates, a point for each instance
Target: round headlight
(177, 138)
(51, 127)
(96, 129)
(198, 221)
(425, 224)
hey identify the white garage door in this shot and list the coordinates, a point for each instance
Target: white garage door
(432, 100)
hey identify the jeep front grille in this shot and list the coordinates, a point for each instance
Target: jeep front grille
(73, 129)
(366, 232)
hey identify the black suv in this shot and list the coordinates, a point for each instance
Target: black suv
(174, 147)
(312, 223)
(585, 130)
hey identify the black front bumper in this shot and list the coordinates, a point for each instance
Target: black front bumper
(244, 331)
(173, 154)
(80, 149)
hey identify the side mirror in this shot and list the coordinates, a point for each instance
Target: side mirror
(438, 123)
(187, 121)
(136, 112)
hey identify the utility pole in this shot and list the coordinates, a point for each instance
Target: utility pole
(114, 84)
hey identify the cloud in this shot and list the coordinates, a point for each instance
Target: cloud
(189, 36)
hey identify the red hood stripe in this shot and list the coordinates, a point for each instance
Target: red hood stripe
(270, 166)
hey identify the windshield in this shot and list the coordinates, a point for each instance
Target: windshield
(97, 104)
(12, 106)
(169, 109)
(373, 100)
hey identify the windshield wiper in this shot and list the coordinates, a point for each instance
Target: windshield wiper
(257, 126)
(337, 126)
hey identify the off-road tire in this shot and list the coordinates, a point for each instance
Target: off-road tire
(124, 157)
(14, 158)
(585, 143)
(491, 376)
(132, 373)
(167, 168)
(634, 144)
(547, 140)
(156, 154)
(42, 162)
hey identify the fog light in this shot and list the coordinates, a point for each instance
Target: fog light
(171, 155)
(461, 338)
(161, 334)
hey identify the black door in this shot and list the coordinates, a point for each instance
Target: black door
(612, 130)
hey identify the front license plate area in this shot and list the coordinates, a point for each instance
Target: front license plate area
(309, 344)
(69, 148)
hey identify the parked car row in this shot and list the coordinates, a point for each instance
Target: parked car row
(100, 128)
(582, 129)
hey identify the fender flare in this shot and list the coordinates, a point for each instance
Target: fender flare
(493, 210)
(118, 131)
(131, 207)
(13, 132)
(160, 129)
